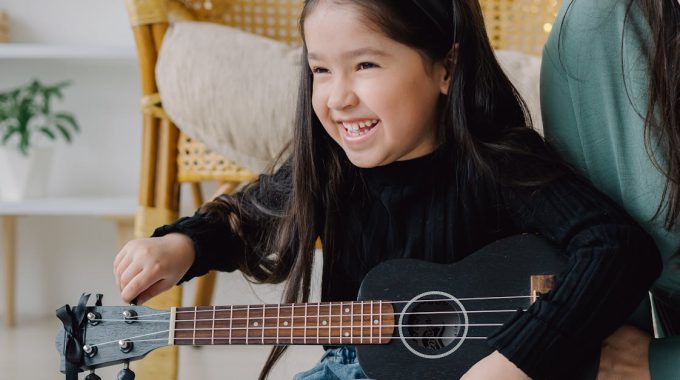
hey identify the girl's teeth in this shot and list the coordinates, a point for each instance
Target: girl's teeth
(354, 127)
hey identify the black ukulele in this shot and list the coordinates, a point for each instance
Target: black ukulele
(413, 319)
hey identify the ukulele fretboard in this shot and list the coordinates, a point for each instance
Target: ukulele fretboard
(367, 322)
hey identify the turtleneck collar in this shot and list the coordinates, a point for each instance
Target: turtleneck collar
(414, 171)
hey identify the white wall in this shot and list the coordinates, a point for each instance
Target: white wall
(60, 257)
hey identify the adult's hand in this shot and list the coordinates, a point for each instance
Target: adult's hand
(625, 355)
(493, 367)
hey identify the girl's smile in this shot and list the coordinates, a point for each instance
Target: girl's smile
(357, 132)
(376, 97)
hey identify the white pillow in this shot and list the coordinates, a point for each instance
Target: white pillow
(524, 72)
(236, 92)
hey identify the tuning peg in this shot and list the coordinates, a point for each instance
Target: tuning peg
(126, 373)
(92, 376)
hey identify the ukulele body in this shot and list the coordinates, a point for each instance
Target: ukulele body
(500, 269)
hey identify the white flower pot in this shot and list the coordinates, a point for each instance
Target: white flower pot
(23, 177)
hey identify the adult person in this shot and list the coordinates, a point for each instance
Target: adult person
(610, 96)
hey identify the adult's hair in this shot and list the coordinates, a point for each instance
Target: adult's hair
(662, 121)
(483, 125)
(662, 115)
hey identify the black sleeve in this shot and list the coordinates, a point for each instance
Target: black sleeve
(612, 262)
(231, 228)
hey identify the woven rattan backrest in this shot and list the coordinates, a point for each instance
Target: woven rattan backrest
(520, 25)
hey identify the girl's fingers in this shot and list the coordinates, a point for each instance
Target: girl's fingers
(131, 274)
(120, 256)
(138, 284)
(154, 290)
(122, 267)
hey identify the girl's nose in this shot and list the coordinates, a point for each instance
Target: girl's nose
(342, 96)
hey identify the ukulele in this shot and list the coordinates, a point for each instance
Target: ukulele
(413, 319)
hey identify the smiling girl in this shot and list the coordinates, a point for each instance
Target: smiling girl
(410, 142)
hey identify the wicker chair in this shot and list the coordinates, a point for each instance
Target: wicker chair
(170, 158)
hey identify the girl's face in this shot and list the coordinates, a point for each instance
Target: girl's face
(375, 97)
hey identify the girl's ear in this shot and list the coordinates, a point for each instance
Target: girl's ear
(449, 65)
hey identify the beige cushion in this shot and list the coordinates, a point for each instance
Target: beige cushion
(236, 92)
(524, 72)
(232, 90)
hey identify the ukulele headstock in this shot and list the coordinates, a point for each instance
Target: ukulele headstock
(111, 335)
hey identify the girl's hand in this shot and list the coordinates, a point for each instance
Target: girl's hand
(493, 367)
(625, 355)
(147, 267)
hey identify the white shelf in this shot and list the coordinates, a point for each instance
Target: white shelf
(53, 51)
(81, 206)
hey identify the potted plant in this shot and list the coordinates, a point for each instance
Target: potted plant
(27, 125)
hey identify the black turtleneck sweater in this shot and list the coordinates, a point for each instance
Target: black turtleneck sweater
(421, 209)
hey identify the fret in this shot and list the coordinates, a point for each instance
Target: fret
(264, 319)
(212, 336)
(371, 322)
(231, 321)
(318, 322)
(247, 323)
(351, 323)
(341, 308)
(380, 329)
(195, 317)
(304, 333)
(330, 320)
(278, 321)
(361, 340)
(292, 322)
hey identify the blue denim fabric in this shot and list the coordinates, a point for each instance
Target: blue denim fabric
(336, 364)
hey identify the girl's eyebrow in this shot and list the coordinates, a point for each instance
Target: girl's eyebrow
(356, 53)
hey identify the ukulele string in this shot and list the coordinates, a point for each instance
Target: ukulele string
(292, 340)
(348, 316)
(291, 328)
(328, 304)
(371, 304)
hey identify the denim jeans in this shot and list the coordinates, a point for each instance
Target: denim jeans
(336, 364)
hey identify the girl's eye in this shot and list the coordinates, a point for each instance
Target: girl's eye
(366, 65)
(319, 70)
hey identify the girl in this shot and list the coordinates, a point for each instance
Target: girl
(411, 142)
(610, 97)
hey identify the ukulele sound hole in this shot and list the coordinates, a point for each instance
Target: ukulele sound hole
(432, 326)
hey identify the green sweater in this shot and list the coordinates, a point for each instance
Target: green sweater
(593, 93)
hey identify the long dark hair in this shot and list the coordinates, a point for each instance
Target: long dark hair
(483, 124)
(662, 121)
(662, 116)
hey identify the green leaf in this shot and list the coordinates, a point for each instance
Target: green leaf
(20, 106)
(68, 118)
(46, 131)
(8, 135)
(64, 132)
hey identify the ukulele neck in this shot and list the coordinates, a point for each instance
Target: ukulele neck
(359, 322)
